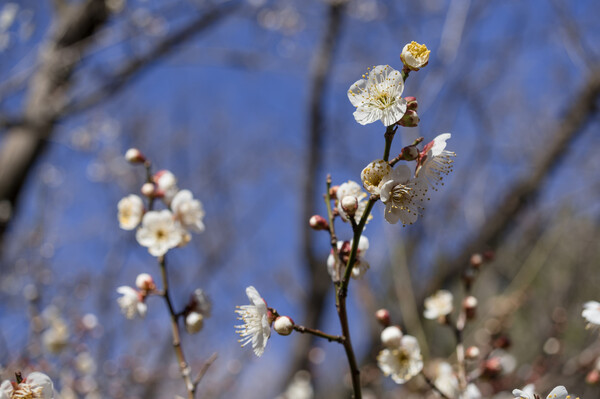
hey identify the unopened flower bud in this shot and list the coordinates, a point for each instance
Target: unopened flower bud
(470, 306)
(472, 353)
(383, 317)
(411, 103)
(134, 155)
(194, 322)
(409, 153)
(476, 260)
(593, 377)
(492, 367)
(283, 325)
(148, 190)
(144, 282)
(391, 336)
(501, 342)
(410, 119)
(333, 191)
(415, 56)
(350, 205)
(318, 222)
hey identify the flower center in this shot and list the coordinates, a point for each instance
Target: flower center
(383, 100)
(25, 391)
(161, 235)
(401, 355)
(418, 50)
(400, 194)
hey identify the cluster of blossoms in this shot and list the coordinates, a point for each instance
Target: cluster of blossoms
(35, 386)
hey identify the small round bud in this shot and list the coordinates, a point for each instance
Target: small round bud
(593, 377)
(411, 103)
(391, 336)
(350, 205)
(470, 306)
(194, 322)
(410, 119)
(410, 153)
(148, 190)
(318, 222)
(134, 155)
(472, 353)
(283, 325)
(383, 317)
(144, 282)
(476, 260)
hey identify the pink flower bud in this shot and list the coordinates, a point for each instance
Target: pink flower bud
(283, 325)
(349, 205)
(410, 119)
(383, 317)
(134, 155)
(144, 282)
(472, 353)
(391, 337)
(411, 103)
(470, 306)
(149, 190)
(318, 222)
(476, 260)
(593, 377)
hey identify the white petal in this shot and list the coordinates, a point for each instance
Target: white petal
(559, 392)
(367, 114)
(6, 390)
(394, 112)
(358, 93)
(42, 380)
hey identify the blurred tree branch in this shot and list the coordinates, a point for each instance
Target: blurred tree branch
(525, 189)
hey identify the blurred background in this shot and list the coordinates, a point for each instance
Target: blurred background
(245, 101)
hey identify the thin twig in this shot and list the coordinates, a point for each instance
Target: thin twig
(319, 333)
(205, 368)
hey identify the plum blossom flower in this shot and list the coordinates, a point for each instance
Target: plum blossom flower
(402, 362)
(415, 56)
(378, 96)
(402, 195)
(434, 161)
(166, 184)
(360, 265)
(528, 392)
(591, 313)
(352, 189)
(159, 232)
(131, 209)
(447, 382)
(131, 302)
(560, 392)
(188, 211)
(257, 322)
(373, 174)
(35, 386)
(438, 305)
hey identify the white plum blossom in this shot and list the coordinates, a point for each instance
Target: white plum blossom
(438, 305)
(131, 302)
(402, 362)
(378, 96)
(591, 313)
(159, 232)
(35, 386)
(373, 174)
(434, 161)
(403, 195)
(166, 184)
(131, 209)
(415, 56)
(560, 392)
(299, 388)
(360, 265)
(528, 392)
(352, 189)
(391, 336)
(257, 322)
(188, 211)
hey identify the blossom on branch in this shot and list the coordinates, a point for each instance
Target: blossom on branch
(434, 161)
(402, 362)
(131, 209)
(159, 232)
(591, 313)
(438, 305)
(257, 322)
(353, 190)
(373, 174)
(415, 56)
(403, 196)
(35, 386)
(131, 302)
(378, 96)
(188, 211)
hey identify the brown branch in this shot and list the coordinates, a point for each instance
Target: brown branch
(525, 189)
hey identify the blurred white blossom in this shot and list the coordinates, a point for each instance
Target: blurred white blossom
(438, 305)
(402, 362)
(159, 232)
(35, 386)
(131, 302)
(188, 211)
(131, 209)
(591, 313)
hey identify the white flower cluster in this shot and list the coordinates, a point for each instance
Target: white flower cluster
(404, 193)
(35, 386)
(401, 360)
(168, 228)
